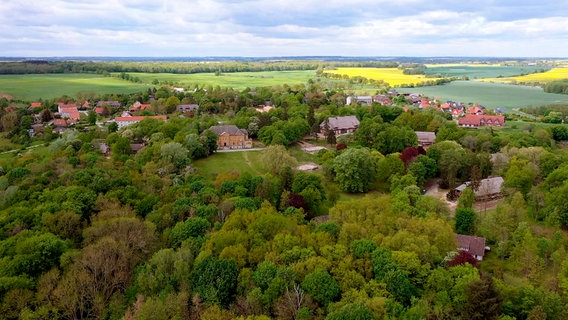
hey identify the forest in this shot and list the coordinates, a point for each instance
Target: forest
(89, 235)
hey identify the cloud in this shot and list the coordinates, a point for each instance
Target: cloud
(279, 27)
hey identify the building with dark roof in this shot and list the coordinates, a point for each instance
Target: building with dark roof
(340, 125)
(473, 245)
(231, 137)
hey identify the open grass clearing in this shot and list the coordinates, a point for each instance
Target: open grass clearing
(490, 95)
(31, 87)
(221, 162)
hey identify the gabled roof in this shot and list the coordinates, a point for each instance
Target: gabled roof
(476, 120)
(472, 244)
(229, 129)
(426, 136)
(345, 122)
(139, 118)
(487, 186)
(35, 105)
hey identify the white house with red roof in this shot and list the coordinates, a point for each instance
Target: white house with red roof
(475, 120)
(126, 121)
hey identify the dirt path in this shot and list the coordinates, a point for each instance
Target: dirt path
(249, 163)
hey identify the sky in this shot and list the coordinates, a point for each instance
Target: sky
(268, 28)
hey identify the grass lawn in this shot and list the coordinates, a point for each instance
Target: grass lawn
(220, 162)
(31, 87)
(236, 80)
(491, 95)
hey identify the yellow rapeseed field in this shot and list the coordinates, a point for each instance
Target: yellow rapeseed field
(541, 77)
(392, 76)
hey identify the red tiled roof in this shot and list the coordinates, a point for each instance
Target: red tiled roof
(60, 123)
(478, 120)
(139, 118)
(99, 110)
(35, 105)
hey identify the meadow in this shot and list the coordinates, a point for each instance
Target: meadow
(491, 95)
(392, 76)
(544, 77)
(48, 86)
(221, 162)
(480, 71)
(236, 80)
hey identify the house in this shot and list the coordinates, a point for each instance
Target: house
(382, 99)
(473, 245)
(114, 104)
(475, 110)
(34, 105)
(474, 121)
(68, 111)
(184, 108)
(340, 125)
(362, 100)
(488, 189)
(231, 137)
(105, 149)
(126, 121)
(136, 147)
(138, 106)
(425, 139)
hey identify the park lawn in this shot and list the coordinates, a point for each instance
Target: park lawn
(490, 95)
(543, 77)
(235, 80)
(393, 76)
(29, 87)
(239, 161)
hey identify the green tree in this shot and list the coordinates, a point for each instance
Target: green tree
(465, 220)
(216, 280)
(466, 199)
(483, 300)
(352, 311)
(354, 170)
(175, 153)
(321, 286)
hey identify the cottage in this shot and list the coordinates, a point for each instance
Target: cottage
(475, 120)
(184, 108)
(34, 105)
(473, 245)
(231, 137)
(382, 99)
(69, 111)
(488, 189)
(425, 139)
(126, 121)
(138, 106)
(362, 100)
(340, 125)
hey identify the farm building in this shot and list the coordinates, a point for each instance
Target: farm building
(340, 125)
(362, 100)
(187, 108)
(126, 121)
(488, 189)
(425, 138)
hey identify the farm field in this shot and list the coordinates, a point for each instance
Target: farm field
(491, 95)
(48, 86)
(551, 75)
(237, 80)
(392, 76)
(479, 71)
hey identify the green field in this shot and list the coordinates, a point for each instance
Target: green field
(491, 95)
(481, 71)
(237, 80)
(48, 86)
(220, 162)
